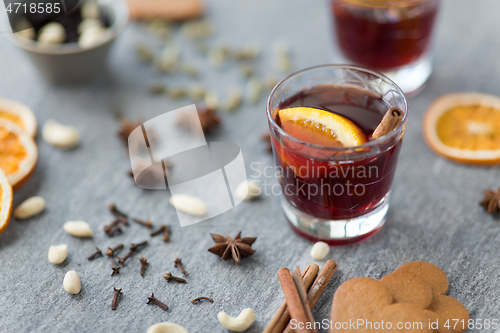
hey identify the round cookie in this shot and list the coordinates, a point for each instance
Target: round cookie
(435, 318)
(429, 272)
(451, 309)
(407, 287)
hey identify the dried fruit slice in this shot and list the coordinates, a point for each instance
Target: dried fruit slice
(465, 127)
(18, 153)
(5, 201)
(321, 127)
(19, 114)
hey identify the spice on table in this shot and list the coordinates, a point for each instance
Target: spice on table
(107, 228)
(110, 252)
(116, 293)
(144, 264)
(153, 300)
(236, 247)
(199, 299)
(118, 214)
(126, 127)
(147, 224)
(116, 228)
(158, 231)
(116, 269)
(169, 277)
(135, 247)
(97, 253)
(178, 264)
(166, 234)
(127, 256)
(208, 118)
(491, 201)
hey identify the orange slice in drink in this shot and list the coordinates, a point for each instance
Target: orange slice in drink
(18, 153)
(5, 201)
(465, 127)
(320, 127)
(19, 114)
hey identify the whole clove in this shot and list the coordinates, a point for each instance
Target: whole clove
(117, 228)
(116, 293)
(118, 214)
(166, 234)
(96, 254)
(199, 299)
(113, 224)
(147, 224)
(169, 277)
(127, 256)
(110, 252)
(135, 247)
(178, 264)
(116, 269)
(158, 231)
(144, 264)
(153, 300)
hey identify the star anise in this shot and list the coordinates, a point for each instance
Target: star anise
(208, 119)
(236, 247)
(126, 128)
(491, 201)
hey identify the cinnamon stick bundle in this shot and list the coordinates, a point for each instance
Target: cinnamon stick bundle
(391, 120)
(282, 316)
(280, 321)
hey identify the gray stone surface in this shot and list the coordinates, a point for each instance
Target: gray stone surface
(434, 214)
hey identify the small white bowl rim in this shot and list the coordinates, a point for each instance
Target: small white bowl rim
(121, 11)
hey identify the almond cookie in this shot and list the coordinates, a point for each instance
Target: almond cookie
(407, 287)
(429, 272)
(175, 10)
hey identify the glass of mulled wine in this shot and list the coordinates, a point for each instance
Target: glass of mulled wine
(335, 177)
(390, 36)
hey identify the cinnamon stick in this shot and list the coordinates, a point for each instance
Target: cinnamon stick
(282, 316)
(293, 301)
(303, 297)
(319, 285)
(391, 120)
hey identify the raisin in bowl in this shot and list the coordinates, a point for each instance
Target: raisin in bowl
(73, 47)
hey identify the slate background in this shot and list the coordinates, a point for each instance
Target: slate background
(434, 214)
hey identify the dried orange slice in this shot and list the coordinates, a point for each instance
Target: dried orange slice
(18, 153)
(5, 201)
(320, 127)
(465, 127)
(19, 114)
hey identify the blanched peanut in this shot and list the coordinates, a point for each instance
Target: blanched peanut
(72, 282)
(59, 135)
(78, 229)
(188, 204)
(248, 190)
(166, 328)
(237, 324)
(320, 250)
(29, 208)
(58, 253)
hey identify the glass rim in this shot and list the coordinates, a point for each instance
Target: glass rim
(368, 144)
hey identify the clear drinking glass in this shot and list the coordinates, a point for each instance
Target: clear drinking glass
(390, 36)
(338, 195)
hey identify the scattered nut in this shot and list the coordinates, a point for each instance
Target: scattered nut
(320, 250)
(72, 282)
(29, 208)
(237, 324)
(59, 135)
(233, 100)
(166, 327)
(254, 90)
(87, 23)
(211, 100)
(188, 204)
(58, 253)
(78, 229)
(90, 9)
(248, 190)
(52, 33)
(92, 36)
